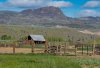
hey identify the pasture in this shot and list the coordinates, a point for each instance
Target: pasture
(47, 61)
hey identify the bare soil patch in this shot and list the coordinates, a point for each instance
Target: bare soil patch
(20, 50)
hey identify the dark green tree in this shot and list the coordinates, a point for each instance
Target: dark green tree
(6, 37)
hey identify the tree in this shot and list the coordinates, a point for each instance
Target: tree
(5, 37)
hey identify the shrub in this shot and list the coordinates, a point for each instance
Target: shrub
(6, 37)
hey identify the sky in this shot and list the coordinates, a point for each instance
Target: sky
(71, 8)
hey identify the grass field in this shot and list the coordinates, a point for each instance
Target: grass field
(46, 61)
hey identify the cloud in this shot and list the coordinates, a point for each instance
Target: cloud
(27, 3)
(92, 4)
(34, 3)
(85, 13)
(60, 4)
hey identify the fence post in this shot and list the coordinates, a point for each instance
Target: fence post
(65, 48)
(75, 50)
(14, 46)
(93, 49)
(87, 49)
(33, 44)
(46, 46)
(57, 49)
(82, 49)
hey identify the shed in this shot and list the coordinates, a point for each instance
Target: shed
(37, 39)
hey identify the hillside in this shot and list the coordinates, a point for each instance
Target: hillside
(47, 16)
(65, 34)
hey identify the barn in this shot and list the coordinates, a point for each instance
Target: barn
(37, 39)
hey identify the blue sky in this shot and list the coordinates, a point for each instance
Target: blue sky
(71, 8)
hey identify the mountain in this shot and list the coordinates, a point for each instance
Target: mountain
(47, 16)
(91, 21)
(50, 12)
(43, 16)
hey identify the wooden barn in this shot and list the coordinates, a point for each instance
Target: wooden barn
(37, 39)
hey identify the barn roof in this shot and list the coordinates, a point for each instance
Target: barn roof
(37, 37)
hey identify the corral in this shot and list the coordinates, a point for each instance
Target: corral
(38, 44)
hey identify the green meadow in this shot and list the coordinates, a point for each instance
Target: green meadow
(45, 61)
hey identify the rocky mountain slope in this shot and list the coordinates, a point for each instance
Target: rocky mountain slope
(47, 16)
